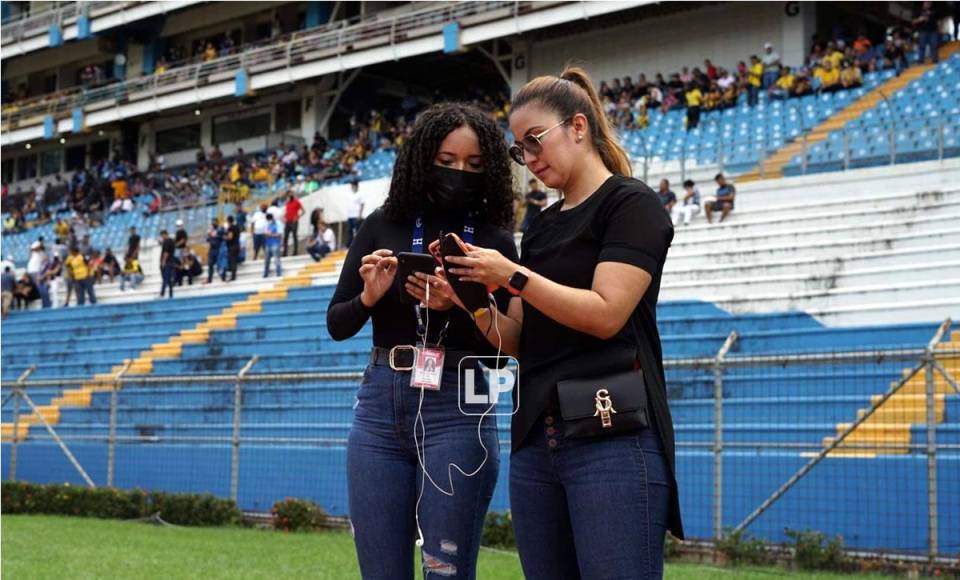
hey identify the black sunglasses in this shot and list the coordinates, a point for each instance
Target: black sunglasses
(531, 143)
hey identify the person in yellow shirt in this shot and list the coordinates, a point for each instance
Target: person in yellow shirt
(754, 80)
(850, 77)
(712, 99)
(80, 275)
(209, 53)
(783, 88)
(694, 102)
(828, 76)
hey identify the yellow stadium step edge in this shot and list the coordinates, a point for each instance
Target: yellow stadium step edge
(226, 319)
(888, 431)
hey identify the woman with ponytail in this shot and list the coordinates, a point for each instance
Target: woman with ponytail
(592, 482)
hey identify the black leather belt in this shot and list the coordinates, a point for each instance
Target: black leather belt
(403, 358)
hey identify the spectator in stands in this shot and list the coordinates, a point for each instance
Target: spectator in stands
(180, 240)
(272, 234)
(109, 266)
(771, 65)
(927, 25)
(783, 88)
(232, 239)
(536, 200)
(258, 228)
(132, 273)
(215, 153)
(168, 263)
(61, 229)
(713, 98)
(38, 257)
(316, 218)
(81, 276)
(189, 268)
(162, 66)
(667, 198)
(726, 193)
(323, 243)
(754, 80)
(133, 243)
(39, 194)
(689, 207)
(210, 52)
(9, 286)
(802, 86)
(862, 48)
(215, 238)
(894, 56)
(293, 211)
(694, 100)
(828, 77)
(850, 76)
(26, 292)
(51, 280)
(356, 211)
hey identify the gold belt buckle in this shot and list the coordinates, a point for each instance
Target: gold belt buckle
(393, 354)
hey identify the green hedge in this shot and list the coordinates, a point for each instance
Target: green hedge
(294, 515)
(108, 502)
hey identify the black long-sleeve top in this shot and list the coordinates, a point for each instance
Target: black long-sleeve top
(395, 322)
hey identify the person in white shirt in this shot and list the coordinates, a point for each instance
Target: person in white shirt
(356, 211)
(258, 227)
(689, 206)
(324, 243)
(38, 257)
(276, 210)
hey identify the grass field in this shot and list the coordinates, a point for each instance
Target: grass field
(41, 547)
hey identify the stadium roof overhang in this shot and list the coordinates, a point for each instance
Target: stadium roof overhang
(513, 24)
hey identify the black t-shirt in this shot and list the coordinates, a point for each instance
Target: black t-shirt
(395, 322)
(623, 221)
(167, 248)
(181, 238)
(234, 244)
(133, 243)
(532, 208)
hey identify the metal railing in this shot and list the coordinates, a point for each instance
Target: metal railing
(299, 48)
(36, 23)
(845, 443)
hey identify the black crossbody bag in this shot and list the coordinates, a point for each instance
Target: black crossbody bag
(609, 404)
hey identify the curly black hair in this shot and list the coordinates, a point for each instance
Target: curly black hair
(409, 186)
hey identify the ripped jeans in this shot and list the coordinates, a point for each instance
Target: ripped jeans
(384, 477)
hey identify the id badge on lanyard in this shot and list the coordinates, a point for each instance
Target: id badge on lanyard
(428, 363)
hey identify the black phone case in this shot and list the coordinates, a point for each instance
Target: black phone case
(472, 294)
(407, 264)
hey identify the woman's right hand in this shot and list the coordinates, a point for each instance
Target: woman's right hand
(378, 271)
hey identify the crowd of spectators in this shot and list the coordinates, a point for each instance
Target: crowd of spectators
(832, 65)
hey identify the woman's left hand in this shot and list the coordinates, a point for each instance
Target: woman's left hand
(483, 265)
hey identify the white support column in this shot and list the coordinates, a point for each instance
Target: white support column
(148, 143)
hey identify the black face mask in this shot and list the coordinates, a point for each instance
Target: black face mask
(454, 190)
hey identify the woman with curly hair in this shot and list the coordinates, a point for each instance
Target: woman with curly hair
(417, 466)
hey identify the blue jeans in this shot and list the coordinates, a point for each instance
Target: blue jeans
(85, 288)
(272, 252)
(590, 508)
(384, 477)
(168, 277)
(929, 39)
(318, 251)
(258, 243)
